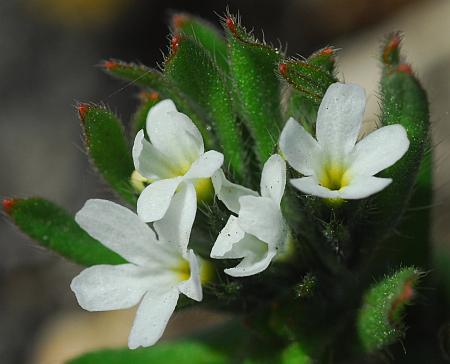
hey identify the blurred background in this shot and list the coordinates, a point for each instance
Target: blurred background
(49, 50)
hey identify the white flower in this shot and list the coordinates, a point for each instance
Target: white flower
(159, 269)
(336, 166)
(260, 231)
(175, 155)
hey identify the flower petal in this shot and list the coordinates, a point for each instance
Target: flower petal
(149, 161)
(192, 287)
(379, 150)
(174, 134)
(299, 148)
(159, 112)
(339, 118)
(118, 228)
(273, 178)
(175, 227)
(251, 264)
(364, 186)
(261, 217)
(229, 193)
(110, 287)
(310, 186)
(152, 317)
(154, 201)
(229, 235)
(206, 165)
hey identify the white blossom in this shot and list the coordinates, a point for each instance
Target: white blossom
(334, 164)
(158, 268)
(259, 232)
(174, 155)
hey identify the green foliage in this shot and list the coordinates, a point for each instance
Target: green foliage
(206, 34)
(380, 317)
(180, 353)
(311, 80)
(315, 306)
(307, 82)
(403, 102)
(256, 86)
(193, 70)
(108, 148)
(55, 229)
(154, 80)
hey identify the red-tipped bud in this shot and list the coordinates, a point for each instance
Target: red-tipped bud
(8, 204)
(282, 67)
(327, 51)
(179, 21)
(405, 68)
(175, 42)
(231, 25)
(149, 96)
(82, 110)
(391, 49)
(153, 96)
(405, 296)
(394, 42)
(110, 65)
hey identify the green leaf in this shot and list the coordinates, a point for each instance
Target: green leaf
(379, 320)
(404, 102)
(55, 229)
(205, 33)
(178, 352)
(324, 58)
(108, 148)
(310, 78)
(192, 69)
(143, 76)
(413, 243)
(256, 86)
(300, 104)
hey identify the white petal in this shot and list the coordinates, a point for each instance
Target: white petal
(310, 186)
(151, 318)
(174, 134)
(299, 148)
(110, 287)
(149, 161)
(192, 287)
(233, 243)
(273, 178)
(379, 150)
(175, 227)
(251, 264)
(206, 165)
(118, 228)
(261, 217)
(363, 186)
(229, 193)
(230, 235)
(154, 201)
(339, 118)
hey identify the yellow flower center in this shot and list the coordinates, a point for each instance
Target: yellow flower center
(204, 189)
(183, 270)
(138, 181)
(334, 177)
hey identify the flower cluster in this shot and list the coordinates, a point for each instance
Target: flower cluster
(179, 173)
